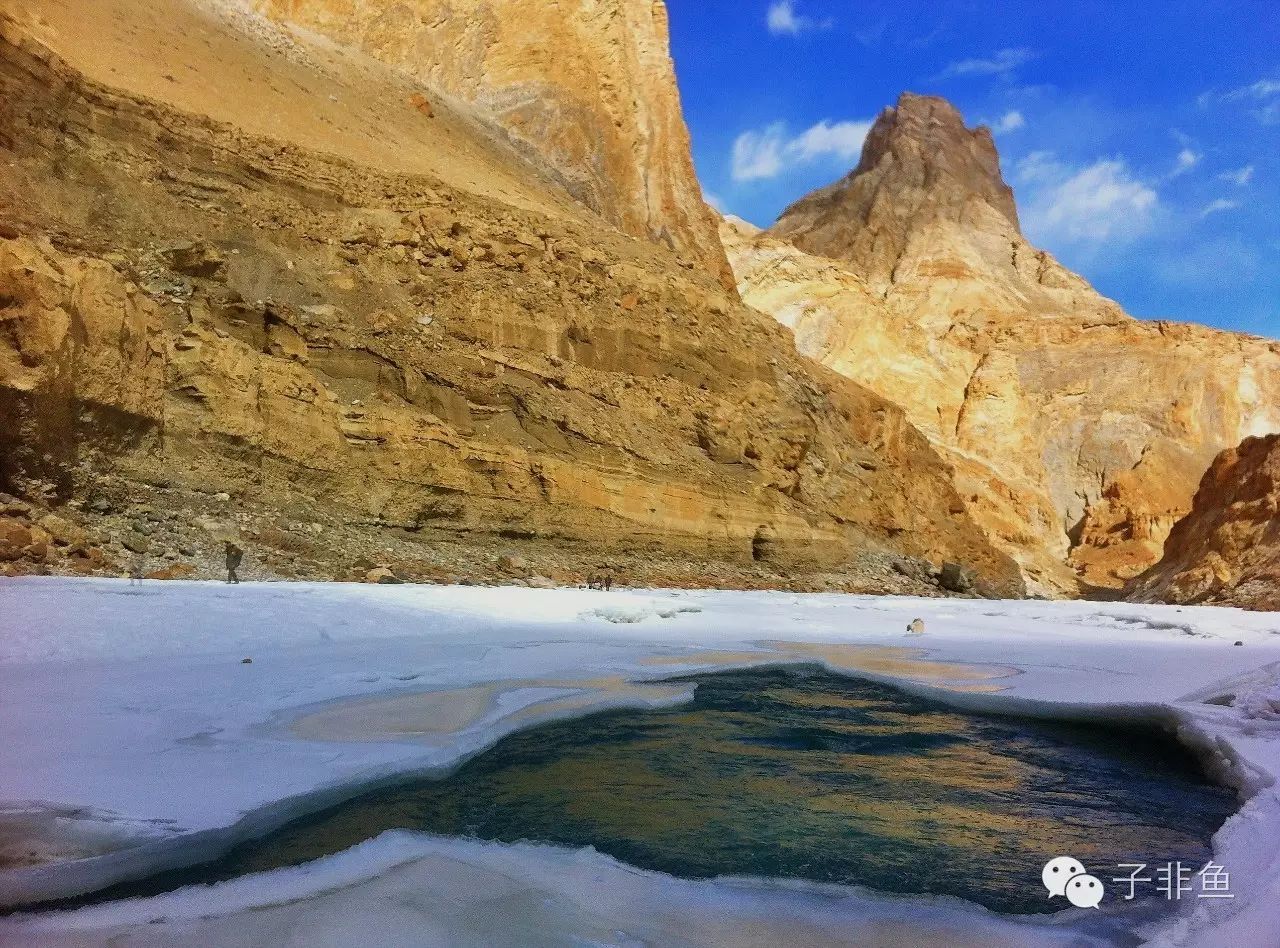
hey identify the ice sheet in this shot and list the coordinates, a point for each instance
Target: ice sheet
(136, 738)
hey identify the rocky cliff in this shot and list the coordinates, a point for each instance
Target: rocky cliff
(586, 86)
(1227, 550)
(921, 172)
(250, 286)
(1077, 434)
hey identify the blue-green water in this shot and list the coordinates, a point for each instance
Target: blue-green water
(799, 773)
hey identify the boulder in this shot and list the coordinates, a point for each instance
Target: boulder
(11, 505)
(14, 539)
(918, 570)
(64, 532)
(956, 578)
(135, 542)
(194, 259)
(513, 563)
(382, 576)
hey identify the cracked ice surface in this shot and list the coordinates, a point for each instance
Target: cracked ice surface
(135, 739)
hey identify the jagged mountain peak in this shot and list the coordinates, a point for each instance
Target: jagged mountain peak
(921, 167)
(926, 138)
(1076, 433)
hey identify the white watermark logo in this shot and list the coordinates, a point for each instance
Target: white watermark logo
(1065, 876)
(1173, 880)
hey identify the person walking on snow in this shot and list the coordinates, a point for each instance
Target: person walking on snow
(235, 556)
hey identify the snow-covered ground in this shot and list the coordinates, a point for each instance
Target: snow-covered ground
(133, 737)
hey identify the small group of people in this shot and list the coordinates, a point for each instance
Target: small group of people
(603, 580)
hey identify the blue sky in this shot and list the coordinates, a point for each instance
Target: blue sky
(1142, 139)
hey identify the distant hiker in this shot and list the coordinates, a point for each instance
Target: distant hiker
(608, 581)
(235, 556)
(135, 572)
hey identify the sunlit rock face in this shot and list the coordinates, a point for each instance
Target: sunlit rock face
(1227, 550)
(586, 87)
(253, 264)
(1077, 433)
(920, 169)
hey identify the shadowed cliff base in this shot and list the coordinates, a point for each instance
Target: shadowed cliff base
(1227, 550)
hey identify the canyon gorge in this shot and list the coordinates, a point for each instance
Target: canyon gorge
(430, 288)
(1077, 433)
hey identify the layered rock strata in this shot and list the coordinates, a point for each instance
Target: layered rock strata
(438, 345)
(587, 87)
(1077, 433)
(1226, 551)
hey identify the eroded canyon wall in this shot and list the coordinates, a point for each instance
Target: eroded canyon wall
(252, 276)
(1077, 433)
(588, 86)
(1226, 551)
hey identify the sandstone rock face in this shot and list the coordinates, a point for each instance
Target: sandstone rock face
(588, 86)
(1077, 434)
(920, 168)
(235, 323)
(1227, 549)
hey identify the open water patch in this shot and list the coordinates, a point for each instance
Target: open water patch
(799, 773)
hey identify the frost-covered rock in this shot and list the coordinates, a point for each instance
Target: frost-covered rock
(1261, 703)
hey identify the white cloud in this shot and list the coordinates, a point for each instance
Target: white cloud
(1011, 121)
(1262, 89)
(1001, 63)
(1263, 94)
(839, 139)
(1186, 160)
(758, 154)
(1040, 167)
(715, 201)
(1240, 176)
(1091, 205)
(1216, 207)
(767, 152)
(783, 20)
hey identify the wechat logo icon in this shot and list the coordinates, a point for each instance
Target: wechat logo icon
(1063, 875)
